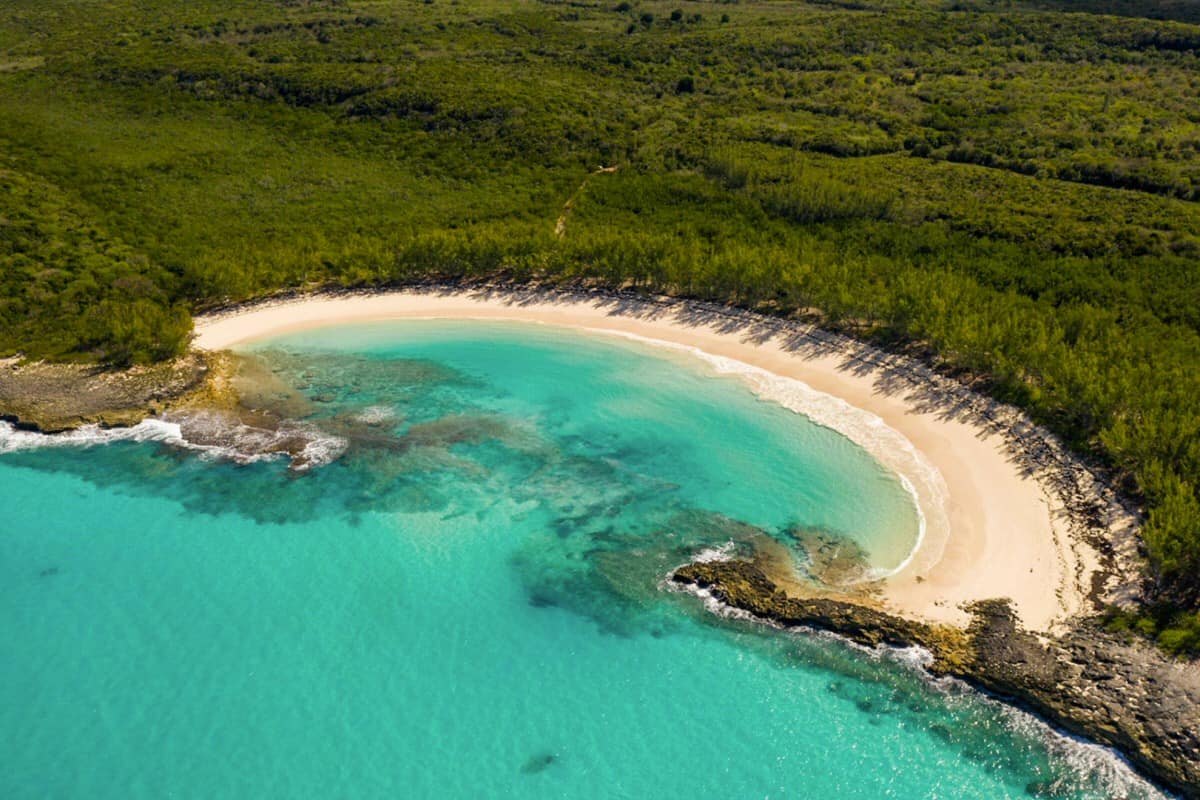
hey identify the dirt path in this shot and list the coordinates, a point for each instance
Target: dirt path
(560, 227)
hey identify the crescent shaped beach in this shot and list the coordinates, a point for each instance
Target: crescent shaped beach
(1010, 529)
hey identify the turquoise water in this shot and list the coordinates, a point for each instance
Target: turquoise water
(456, 593)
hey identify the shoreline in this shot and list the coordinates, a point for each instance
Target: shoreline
(1063, 666)
(1026, 520)
(886, 445)
(1086, 681)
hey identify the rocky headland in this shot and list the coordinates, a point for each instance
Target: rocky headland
(52, 398)
(1084, 680)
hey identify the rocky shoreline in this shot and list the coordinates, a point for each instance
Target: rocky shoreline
(1084, 680)
(53, 398)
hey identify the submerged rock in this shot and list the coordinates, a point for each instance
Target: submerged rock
(832, 560)
(538, 763)
(1087, 681)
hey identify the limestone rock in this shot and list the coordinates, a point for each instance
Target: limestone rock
(1087, 681)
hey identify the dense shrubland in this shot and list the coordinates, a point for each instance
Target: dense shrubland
(1008, 191)
(69, 287)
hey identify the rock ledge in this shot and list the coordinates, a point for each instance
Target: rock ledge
(1087, 681)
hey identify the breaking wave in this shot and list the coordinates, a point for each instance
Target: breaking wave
(711, 554)
(210, 434)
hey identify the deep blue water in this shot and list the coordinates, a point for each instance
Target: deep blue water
(460, 596)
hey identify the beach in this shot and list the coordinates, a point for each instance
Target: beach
(1020, 518)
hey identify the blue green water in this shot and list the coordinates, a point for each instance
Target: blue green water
(457, 592)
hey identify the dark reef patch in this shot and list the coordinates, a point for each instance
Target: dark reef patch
(830, 559)
(539, 762)
(613, 574)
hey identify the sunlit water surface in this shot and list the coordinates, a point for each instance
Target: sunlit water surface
(461, 596)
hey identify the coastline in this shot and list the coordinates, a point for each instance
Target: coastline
(55, 398)
(1025, 520)
(1086, 681)
(1007, 606)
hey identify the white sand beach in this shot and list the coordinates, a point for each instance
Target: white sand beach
(1007, 529)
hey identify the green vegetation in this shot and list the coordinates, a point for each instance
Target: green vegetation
(60, 267)
(1181, 10)
(1176, 630)
(1009, 190)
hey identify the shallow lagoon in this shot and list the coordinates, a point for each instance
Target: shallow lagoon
(457, 594)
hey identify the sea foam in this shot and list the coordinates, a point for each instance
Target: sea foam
(714, 554)
(13, 439)
(209, 434)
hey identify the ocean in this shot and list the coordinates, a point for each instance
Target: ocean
(431, 565)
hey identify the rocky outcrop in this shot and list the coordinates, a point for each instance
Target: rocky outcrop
(1093, 683)
(743, 585)
(1087, 681)
(56, 397)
